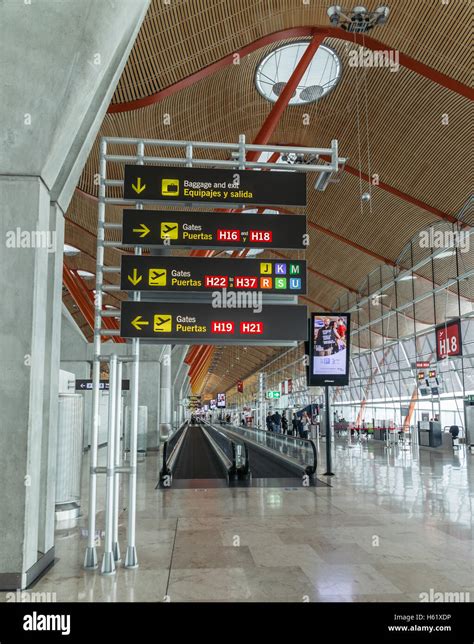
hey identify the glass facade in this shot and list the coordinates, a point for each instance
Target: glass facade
(393, 320)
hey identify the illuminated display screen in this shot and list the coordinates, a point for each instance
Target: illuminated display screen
(329, 349)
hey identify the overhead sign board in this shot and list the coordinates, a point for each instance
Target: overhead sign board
(167, 322)
(208, 185)
(87, 385)
(448, 340)
(185, 274)
(213, 230)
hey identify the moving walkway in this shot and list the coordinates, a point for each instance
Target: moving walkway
(276, 456)
(236, 455)
(203, 452)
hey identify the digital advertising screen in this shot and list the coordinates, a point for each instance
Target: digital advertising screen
(329, 349)
(213, 404)
(221, 400)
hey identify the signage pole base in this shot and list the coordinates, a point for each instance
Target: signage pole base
(90, 559)
(329, 471)
(131, 559)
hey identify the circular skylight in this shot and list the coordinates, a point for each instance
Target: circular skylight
(320, 77)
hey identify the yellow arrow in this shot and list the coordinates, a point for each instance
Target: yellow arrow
(138, 188)
(136, 279)
(138, 322)
(144, 230)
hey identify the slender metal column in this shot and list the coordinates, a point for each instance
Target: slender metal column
(108, 564)
(165, 392)
(131, 559)
(328, 471)
(90, 559)
(117, 461)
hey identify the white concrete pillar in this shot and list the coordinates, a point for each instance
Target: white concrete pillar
(165, 393)
(52, 106)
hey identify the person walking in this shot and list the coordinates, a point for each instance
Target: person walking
(276, 419)
(269, 422)
(294, 425)
(284, 423)
(306, 424)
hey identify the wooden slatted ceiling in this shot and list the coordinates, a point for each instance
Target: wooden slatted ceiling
(409, 147)
(182, 37)
(404, 116)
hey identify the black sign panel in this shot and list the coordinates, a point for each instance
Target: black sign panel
(160, 183)
(186, 274)
(329, 349)
(86, 385)
(185, 323)
(213, 230)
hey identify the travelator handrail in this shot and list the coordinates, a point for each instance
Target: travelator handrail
(235, 454)
(288, 448)
(171, 449)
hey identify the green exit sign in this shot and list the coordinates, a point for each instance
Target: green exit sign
(470, 398)
(273, 394)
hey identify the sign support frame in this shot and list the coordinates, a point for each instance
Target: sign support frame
(237, 154)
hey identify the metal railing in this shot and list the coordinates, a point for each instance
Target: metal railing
(299, 451)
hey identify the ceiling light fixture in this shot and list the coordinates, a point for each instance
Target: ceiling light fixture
(358, 19)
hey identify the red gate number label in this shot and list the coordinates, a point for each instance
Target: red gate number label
(216, 281)
(221, 326)
(245, 282)
(251, 328)
(228, 235)
(448, 341)
(261, 236)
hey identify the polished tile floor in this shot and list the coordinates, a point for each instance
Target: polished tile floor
(393, 525)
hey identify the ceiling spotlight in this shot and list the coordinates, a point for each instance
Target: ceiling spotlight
(382, 15)
(334, 13)
(366, 196)
(358, 19)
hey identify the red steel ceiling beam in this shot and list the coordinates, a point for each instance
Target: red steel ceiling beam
(205, 354)
(84, 301)
(403, 195)
(203, 365)
(281, 104)
(399, 193)
(190, 354)
(349, 242)
(196, 358)
(296, 32)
